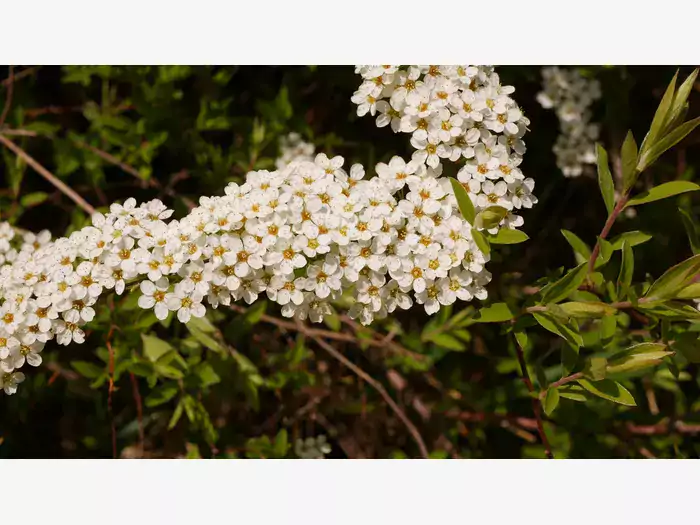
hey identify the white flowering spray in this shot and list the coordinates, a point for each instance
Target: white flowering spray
(303, 236)
(571, 95)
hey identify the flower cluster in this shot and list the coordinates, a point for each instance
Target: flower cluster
(304, 236)
(458, 114)
(312, 447)
(571, 95)
(293, 147)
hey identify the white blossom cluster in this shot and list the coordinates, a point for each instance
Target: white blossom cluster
(458, 114)
(303, 236)
(312, 447)
(293, 147)
(571, 95)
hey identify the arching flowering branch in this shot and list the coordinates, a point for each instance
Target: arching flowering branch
(304, 235)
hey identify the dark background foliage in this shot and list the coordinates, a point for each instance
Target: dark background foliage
(245, 385)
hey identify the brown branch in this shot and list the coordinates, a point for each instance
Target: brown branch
(139, 409)
(20, 75)
(536, 406)
(47, 175)
(8, 100)
(606, 230)
(327, 334)
(18, 132)
(112, 160)
(377, 386)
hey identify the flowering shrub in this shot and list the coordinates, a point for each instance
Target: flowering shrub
(302, 236)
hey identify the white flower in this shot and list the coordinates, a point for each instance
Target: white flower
(154, 296)
(9, 381)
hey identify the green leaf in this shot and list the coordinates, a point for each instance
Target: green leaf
(205, 339)
(254, 314)
(177, 414)
(490, 217)
(666, 143)
(580, 248)
(691, 291)
(689, 345)
(680, 102)
(508, 236)
(86, 369)
(663, 191)
(521, 338)
(628, 155)
(596, 368)
(633, 238)
(463, 201)
(555, 292)
(154, 348)
(624, 279)
(610, 390)
(674, 280)
(587, 309)
(637, 357)
(33, 199)
(161, 395)
(551, 401)
(281, 446)
(332, 321)
(557, 327)
(207, 376)
(672, 310)
(605, 180)
(481, 242)
(691, 230)
(573, 392)
(606, 251)
(448, 341)
(495, 313)
(661, 116)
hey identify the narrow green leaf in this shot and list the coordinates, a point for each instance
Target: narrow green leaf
(551, 401)
(680, 101)
(490, 217)
(610, 390)
(557, 327)
(463, 201)
(255, 312)
(691, 229)
(691, 291)
(587, 309)
(628, 155)
(637, 357)
(448, 341)
(555, 292)
(671, 310)
(161, 395)
(154, 348)
(580, 248)
(495, 313)
(663, 191)
(605, 180)
(606, 251)
(596, 368)
(177, 414)
(573, 392)
(666, 143)
(624, 279)
(86, 369)
(481, 242)
(661, 116)
(674, 279)
(633, 238)
(33, 199)
(508, 236)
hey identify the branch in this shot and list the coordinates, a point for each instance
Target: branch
(8, 100)
(47, 175)
(20, 75)
(377, 386)
(606, 230)
(536, 406)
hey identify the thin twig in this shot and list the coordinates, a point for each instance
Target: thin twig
(139, 410)
(47, 174)
(111, 159)
(536, 406)
(20, 75)
(18, 132)
(378, 387)
(8, 100)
